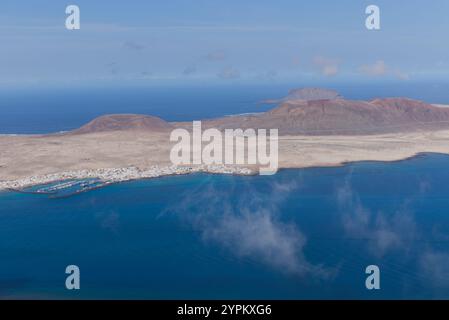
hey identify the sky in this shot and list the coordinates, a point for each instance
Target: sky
(210, 41)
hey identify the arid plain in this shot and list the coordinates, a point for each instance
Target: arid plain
(143, 142)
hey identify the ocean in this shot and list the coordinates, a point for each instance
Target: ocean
(49, 110)
(300, 234)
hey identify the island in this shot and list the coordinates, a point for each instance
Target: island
(316, 128)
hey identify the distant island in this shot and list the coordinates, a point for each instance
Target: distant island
(317, 127)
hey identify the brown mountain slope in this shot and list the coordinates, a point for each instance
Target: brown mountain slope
(122, 122)
(333, 116)
(339, 116)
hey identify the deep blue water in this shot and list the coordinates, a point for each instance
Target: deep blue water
(62, 109)
(305, 233)
(44, 110)
(299, 234)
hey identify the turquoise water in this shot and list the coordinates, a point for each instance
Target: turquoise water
(299, 234)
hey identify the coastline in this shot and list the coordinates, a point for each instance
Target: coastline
(118, 156)
(109, 176)
(115, 175)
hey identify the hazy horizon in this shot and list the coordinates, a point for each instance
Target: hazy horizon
(256, 42)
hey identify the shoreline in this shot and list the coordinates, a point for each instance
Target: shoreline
(116, 175)
(134, 174)
(130, 155)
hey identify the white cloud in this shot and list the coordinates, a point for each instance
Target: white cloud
(401, 75)
(380, 68)
(252, 227)
(384, 233)
(328, 67)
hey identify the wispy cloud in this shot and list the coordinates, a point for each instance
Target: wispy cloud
(435, 267)
(380, 68)
(252, 227)
(218, 55)
(229, 73)
(327, 66)
(383, 233)
(398, 233)
(401, 75)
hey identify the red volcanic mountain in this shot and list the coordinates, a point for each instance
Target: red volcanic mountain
(357, 117)
(121, 122)
(335, 115)
(304, 112)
